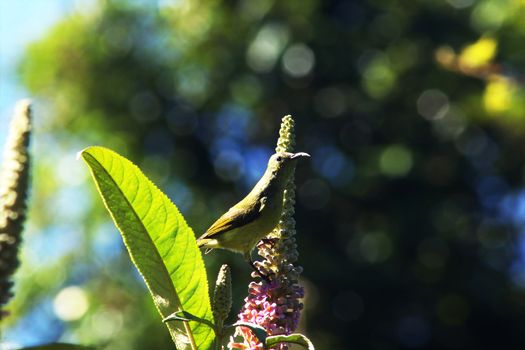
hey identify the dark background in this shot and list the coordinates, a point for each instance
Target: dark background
(409, 212)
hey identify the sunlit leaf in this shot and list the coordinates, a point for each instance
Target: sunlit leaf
(498, 95)
(160, 243)
(479, 53)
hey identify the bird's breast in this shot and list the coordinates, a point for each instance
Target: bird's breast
(271, 213)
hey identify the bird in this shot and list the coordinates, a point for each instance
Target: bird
(257, 214)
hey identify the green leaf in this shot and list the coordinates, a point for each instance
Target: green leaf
(295, 338)
(160, 243)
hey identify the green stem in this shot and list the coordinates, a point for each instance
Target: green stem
(190, 335)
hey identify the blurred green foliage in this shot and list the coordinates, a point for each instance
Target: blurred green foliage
(409, 214)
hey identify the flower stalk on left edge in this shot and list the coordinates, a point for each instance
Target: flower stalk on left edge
(14, 183)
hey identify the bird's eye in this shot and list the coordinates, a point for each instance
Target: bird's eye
(279, 159)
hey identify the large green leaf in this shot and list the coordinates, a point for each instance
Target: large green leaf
(161, 245)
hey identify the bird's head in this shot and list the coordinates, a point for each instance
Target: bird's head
(281, 164)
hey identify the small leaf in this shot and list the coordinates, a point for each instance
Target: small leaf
(259, 331)
(186, 316)
(295, 338)
(160, 243)
(176, 316)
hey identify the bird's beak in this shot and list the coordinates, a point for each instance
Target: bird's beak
(299, 154)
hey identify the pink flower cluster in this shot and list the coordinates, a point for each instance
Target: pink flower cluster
(272, 306)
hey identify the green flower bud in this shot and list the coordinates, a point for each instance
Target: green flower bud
(286, 141)
(222, 296)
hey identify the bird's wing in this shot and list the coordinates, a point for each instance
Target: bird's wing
(235, 217)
